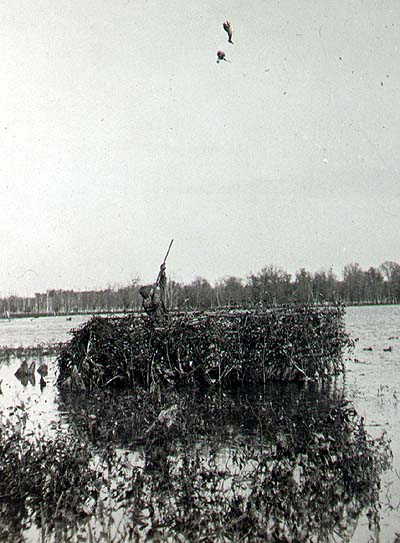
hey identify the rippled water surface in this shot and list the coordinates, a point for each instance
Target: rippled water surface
(372, 383)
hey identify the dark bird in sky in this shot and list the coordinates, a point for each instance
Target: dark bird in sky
(228, 30)
(220, 56)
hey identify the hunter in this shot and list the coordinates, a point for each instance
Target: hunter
(154, 296)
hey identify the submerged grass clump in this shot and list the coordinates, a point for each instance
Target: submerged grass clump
(287, 343)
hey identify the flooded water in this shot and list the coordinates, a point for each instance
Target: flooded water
(29, 332)
(372, 384)
(33, 332)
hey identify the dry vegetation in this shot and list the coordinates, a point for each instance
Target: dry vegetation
(286, 343)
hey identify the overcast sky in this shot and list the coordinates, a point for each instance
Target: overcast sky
(119, 131)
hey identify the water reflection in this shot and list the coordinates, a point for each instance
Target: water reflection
(30, 389)
(282, 463)
(286, 463)
(139, 449)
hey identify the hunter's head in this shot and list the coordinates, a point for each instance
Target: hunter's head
(145, 291)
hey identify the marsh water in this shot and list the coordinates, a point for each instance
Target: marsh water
(371, 385)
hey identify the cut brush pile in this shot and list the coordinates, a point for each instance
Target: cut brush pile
(286, 343)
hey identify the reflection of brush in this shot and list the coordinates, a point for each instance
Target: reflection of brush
(166, 417)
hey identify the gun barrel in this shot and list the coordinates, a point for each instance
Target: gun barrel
(165, 258)
(169, 248)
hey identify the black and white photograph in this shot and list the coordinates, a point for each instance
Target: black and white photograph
(200, 272)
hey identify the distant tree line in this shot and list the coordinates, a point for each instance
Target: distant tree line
(272, 285)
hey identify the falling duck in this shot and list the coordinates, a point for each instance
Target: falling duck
(221, 56)
(228, 29)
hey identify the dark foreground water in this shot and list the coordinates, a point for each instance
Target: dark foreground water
(283, 462)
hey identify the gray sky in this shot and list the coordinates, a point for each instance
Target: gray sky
(119, 131)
